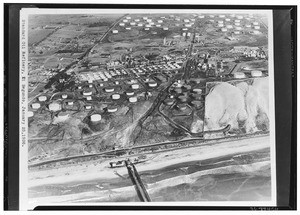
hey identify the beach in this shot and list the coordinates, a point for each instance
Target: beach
(242, 160)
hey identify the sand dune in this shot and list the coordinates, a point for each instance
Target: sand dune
(243, 105)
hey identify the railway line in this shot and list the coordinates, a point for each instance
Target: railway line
(199, 141)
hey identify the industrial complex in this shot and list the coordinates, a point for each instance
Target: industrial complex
(148, 107)
(145, 77)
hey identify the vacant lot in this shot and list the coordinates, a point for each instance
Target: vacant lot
(37, 35)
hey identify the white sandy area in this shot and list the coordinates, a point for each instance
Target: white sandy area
(96, 170)
(129, 191)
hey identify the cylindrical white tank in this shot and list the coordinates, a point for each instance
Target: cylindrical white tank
(109, 89)
(112, 109)
(116, 96)
(54, 106)
(87, 93)
(129, 93)
(88, 107)
(197, 90)
(35, 105)
(239, 75)
(42, 98)
(133, 99)
(152, 84)
(135, 86)
(96, 118)
(256, 73)
(64, 96)
(89, 98)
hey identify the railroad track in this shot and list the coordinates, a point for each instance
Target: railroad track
(200, 141)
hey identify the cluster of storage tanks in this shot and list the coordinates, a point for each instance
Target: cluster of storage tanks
(224, 22)
(253, 74)
(88, 93)
(53, 106)
(233, 23)
(185, 96)
(145, 22)
(115, 95)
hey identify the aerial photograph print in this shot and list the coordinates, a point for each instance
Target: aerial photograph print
(159, 106)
